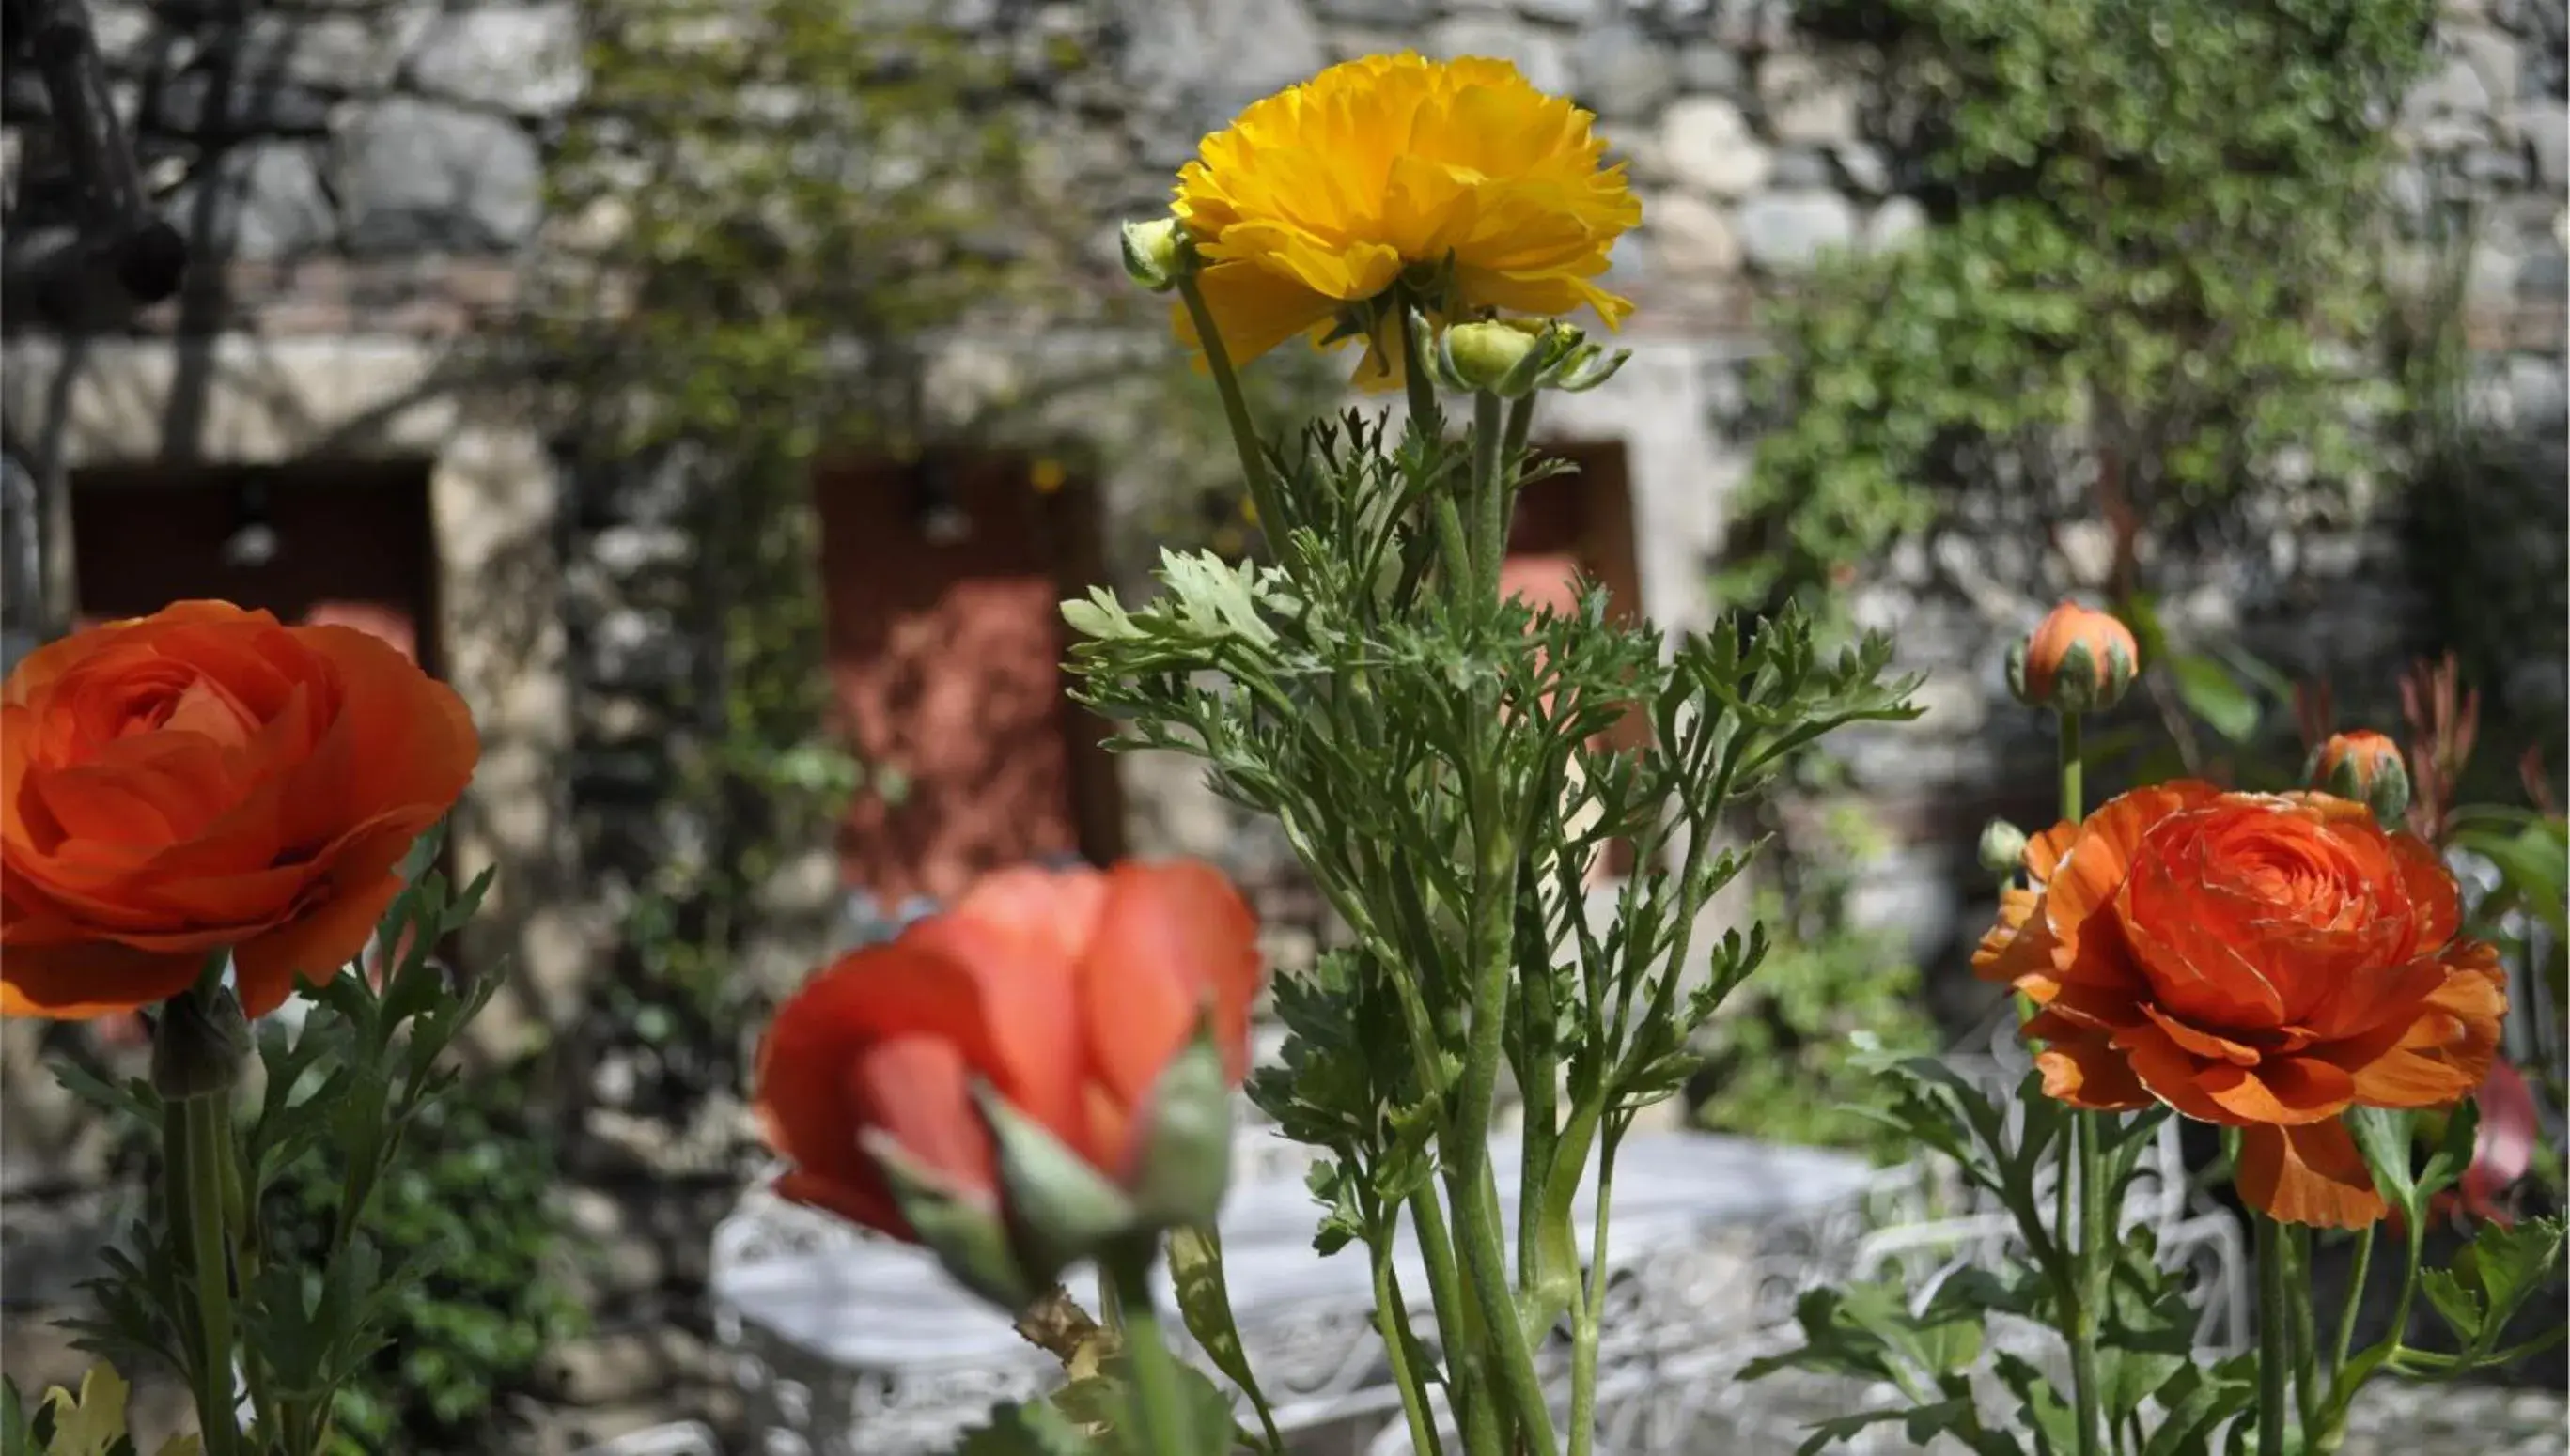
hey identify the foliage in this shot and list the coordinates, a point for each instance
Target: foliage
(1792, 1056)
(468, 1209)
(354, 1082)
(2149, 260)
(1436, 755)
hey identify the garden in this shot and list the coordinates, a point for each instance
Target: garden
(1618, 1088)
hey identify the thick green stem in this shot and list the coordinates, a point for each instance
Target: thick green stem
(1236, 411)
(2091, 1261)
(2274, 1339)
(1490, 495)
(1158, 1402)
(205, 1121)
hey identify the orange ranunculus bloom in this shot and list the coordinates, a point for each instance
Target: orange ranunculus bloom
(2260, 961)
(1067, 992)
(206, 779)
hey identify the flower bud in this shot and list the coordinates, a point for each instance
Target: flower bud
(1484, 355)
(2363, 766)
(1185, 1161)
(2003, 847)
(2075, 661)
(1155, 253)
(1513, 357)
(200, 1045)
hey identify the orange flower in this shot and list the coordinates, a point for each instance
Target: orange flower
(204, 779)
(2258, 960)
(2075, 659)
(1066, 993)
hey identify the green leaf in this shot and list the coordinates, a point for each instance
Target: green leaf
(2384, 1136)
(2039, 1406)
(1036, 1428)
(2196, 1399)
(2508, 1263)
(2461, 1306)
(1204, 1303)
(2210, 691)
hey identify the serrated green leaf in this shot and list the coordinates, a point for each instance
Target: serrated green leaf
(2383, 1137)
(2461, 1306)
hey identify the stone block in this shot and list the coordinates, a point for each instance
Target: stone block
(524, 59)
(1788, 232)
(1807, 101)
(1712, 70)
(1537, 53)
(1706, 143)
(2544, 127)
(1893, 223)
(335, 52)
(262, 201)
(420, 177)
(1622, 73)
(1692, 238)
(205, 103)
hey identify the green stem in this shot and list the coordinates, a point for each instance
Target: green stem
(2274, 1339)
(1590, 1311)
(2073, 765)
(1490, 495)
(1235, 409)
(2297, 1278)
(2362, 1267)
(1392, 1320)
(2090, 1261)
(1458, 1327)
(1158, 1402)
(206, 1124)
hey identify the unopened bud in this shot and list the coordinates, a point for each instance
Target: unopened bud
(1484, 355)
(1513, 357)
(1155, 253)
(2003, 847)
(962, 1227)
(198, 1045)
(1185, 1159)
(2075, 661)
(2363, 766)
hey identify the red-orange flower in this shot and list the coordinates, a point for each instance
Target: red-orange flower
(2259, 961)
(2076, 660)
(204, 779)
(1066, 993)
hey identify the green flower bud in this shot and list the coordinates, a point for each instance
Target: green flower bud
(1513, 357)
(2075, 661)
(2003, 847)
(198, 1045)
(961, 1225)
(1487, 355)
(2365, 767)
(1062, 1208)
(1155, 253)
(1186, 1162)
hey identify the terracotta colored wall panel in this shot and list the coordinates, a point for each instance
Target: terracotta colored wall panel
(945, 660)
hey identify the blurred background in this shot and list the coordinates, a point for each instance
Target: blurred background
(721, 393)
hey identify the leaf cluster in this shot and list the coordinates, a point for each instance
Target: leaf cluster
(363, 1069)
(2151, 241)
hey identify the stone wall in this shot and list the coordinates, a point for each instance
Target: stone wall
(373, 169)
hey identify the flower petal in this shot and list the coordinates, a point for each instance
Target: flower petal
(2312, 1174)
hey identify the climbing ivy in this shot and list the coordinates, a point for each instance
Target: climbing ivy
(2141, 296)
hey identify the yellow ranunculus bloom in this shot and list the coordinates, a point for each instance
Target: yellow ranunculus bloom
(1480, 191)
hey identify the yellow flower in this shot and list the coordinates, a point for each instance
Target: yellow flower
(1457, 177)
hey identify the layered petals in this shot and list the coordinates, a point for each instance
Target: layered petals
(2261, 962)
(1066, 994)
(206, 779)
(1315, 201)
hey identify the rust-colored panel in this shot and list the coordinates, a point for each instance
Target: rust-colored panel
(945, 658)
(351, 543)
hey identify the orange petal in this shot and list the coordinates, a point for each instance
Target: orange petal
(2446, 1048)
(2044, 850)
(2016, 907)
(2284, 1091)
(918, 1089)
(1174, 941)
(316, 945)
(75, 982)
(2309, 1174)
(1017, 934)
(2168, 1071)
(2087, 1071)
(2202, 1043)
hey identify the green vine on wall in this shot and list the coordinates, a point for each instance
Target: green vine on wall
(2149, 275)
